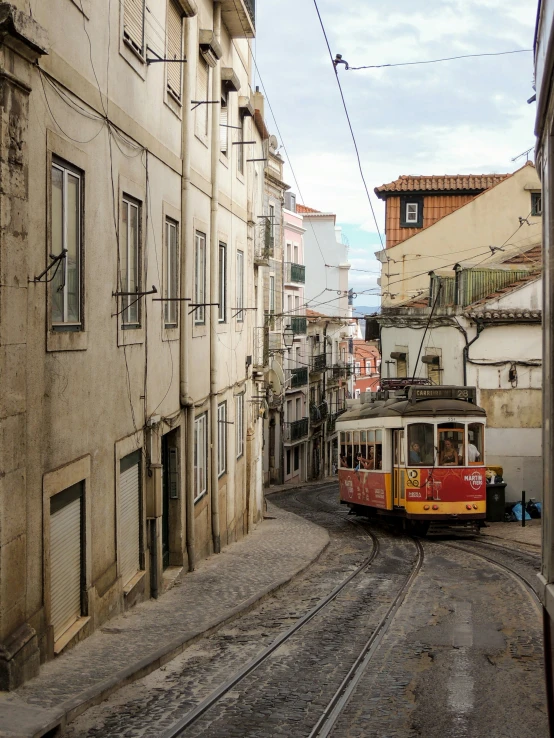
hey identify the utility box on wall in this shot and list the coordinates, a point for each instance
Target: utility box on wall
(154, 501)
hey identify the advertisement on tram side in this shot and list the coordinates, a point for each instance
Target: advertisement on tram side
(448, 484)
(365, 488)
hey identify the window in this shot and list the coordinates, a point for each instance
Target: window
(239, 421)
(411, 211)
(66, 288)
(240, 286)
(202, 86)
(368, 366)
(272, 294)
(200, 279)
(221, 439)
(222, 310)
(536, 203)
(295, 252)
(240, 147)
(171, 308)
(358, 368)
(272, 224)
(224, 123)
(200, 457)
(451, 444)
(296, 458)
(133, 24)
(433, 362)
(421, 444)
(298, 409)
(298, 358)
(129, 261)
(476, 444)
(174, 49)
(361, 450)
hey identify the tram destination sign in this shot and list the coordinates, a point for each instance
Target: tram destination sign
(466, 394)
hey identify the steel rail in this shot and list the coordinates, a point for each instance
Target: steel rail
(527, 584)
(532, 554)
(332, 712)
(191, 717)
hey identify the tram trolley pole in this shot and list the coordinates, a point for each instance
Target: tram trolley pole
(523, 509)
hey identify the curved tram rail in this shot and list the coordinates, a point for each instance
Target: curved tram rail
(349, 683)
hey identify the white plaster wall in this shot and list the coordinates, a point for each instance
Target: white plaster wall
(323, 283)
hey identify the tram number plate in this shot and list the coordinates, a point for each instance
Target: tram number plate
(413, 478)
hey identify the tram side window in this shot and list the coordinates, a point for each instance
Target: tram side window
(421, 444)
(346, 451)
(378, 449)
(451, 444)
(476, 443)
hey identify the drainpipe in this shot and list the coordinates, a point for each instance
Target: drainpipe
(214, 298)
(185, 320)
(480, 329)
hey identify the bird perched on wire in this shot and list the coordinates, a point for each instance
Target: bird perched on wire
(339, 60)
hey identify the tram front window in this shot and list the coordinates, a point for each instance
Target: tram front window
(476, 443)
(451, 444)
(421, 447)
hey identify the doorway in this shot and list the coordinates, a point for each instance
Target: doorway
(170, 490)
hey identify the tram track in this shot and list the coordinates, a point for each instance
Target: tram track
(332, 711)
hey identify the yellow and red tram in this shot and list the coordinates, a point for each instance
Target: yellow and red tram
(416, 453)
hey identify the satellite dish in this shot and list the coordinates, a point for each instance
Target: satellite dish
(273, 143)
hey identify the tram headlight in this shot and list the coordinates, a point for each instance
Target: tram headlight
(426, 507)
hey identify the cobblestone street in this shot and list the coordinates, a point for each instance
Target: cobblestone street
(462, 656)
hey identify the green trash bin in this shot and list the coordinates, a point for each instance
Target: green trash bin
(496, 502)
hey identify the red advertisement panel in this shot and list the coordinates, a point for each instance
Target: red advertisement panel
(364, 487)
(449, 484)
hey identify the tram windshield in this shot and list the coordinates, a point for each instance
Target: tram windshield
(451, 444)
(421, 444)
(476, 442)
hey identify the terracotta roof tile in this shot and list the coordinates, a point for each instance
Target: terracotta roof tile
(304, 209)
(441, 183)
(497, 294)
(532, 255)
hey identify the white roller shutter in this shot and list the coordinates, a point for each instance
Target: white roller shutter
(129, 517)
(65, 564)
(174, 48)
(133, 23)
(202, 94)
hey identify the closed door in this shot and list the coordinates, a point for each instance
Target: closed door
(398, 475)
(129, 517)
(65, 558)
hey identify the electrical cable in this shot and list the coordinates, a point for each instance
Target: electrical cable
(349, 125)
(436, 61)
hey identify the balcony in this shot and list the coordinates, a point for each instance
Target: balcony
(239, 17)
(319, 363)
(318, 413)
(299, 325)
(332, 420)
(340, 371)
(261, 347)
(299, 377)
(295, 273)
(296, 430)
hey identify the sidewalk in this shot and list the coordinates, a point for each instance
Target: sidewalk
(132, 645)
(530, 535)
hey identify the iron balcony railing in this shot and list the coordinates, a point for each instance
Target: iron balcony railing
(341, 371)
(251, 7)
(319, 413)
(295, 272)
(299, 325)
(319, 363)
(299, 377)
(332, 420)
(296, 430)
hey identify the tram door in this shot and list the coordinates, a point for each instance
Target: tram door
(398, 470)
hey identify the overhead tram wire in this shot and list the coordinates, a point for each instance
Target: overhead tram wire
(350, 126)
(437, 61)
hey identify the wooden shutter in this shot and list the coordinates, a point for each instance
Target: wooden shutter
(174, 48)
(65, 563)
(129, 518)
(133, 23)
(202, 94)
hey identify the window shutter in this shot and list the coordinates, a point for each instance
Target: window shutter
(173, 473)
(174, 48)
(202, 94)
(65, 566)
(133, 23)
(129, 516)
(223, 130)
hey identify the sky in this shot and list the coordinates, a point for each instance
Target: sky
(464, 116)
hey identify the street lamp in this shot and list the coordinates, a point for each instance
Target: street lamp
(288, 337)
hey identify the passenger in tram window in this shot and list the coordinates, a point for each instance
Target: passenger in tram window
(449, 455)
(378, 456)
(415, 453)
(343, 462)
(366, 463)
(473, 453)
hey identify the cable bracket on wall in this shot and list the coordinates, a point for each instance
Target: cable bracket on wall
(196, 103)
(153, 291)
(56, 261)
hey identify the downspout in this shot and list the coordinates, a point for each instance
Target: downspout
(214, 309)
(185, 320)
